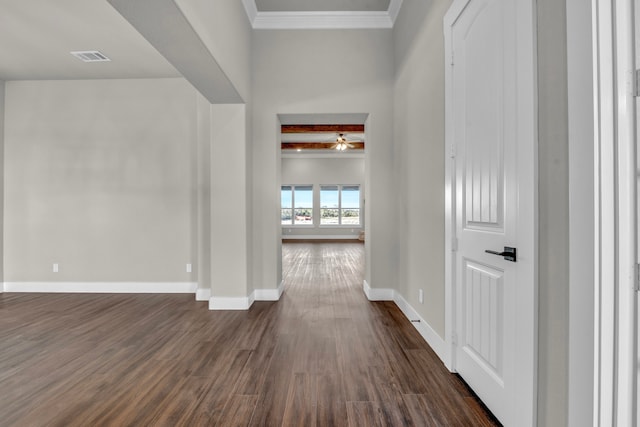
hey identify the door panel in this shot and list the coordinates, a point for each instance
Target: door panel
(492, 129)
(483, 299)
(483, 164)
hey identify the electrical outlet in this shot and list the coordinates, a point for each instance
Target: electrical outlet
(188, 268)
(55, 267)
(421, 296)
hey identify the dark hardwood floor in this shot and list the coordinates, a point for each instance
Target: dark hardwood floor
(323, 355)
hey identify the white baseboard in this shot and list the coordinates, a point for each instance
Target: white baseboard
(244, 303)
(320, 236)
(103, 287)
(269, 294)
(230, 303)
(203, 294)
(430, 336)
(377, 294)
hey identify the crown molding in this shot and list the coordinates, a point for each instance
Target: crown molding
(321, 20)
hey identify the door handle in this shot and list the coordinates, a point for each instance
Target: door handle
(509, 253)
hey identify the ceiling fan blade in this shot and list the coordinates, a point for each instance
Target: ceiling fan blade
(356, 139)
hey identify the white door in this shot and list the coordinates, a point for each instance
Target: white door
(492, 90)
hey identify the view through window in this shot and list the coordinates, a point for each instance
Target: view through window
(296, 206)
(339, 205)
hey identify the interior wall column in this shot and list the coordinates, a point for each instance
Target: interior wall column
(228, 208)
(1, 186)
(203, 208)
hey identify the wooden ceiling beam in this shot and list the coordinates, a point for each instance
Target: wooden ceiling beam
(321, 128)
(318, 145)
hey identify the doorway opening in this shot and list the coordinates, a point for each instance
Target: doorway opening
(323, 182)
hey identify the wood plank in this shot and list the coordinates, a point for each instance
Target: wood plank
(368, 414)
(301, 408)
(239, 411)
(322, 355)
(332, 407)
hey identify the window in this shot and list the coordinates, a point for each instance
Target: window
(286, 204)
(329, 205)
(296, 204)
(339, 205)
(350, 205)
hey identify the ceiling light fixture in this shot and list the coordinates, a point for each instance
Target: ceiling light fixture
(341, 143)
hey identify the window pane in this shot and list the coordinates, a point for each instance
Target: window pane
(286, 217)
(329, 196)
(350, 216)
(304, 216)
(351, 196)
(303, 196)
(285, 196)
(329, 216)
(329, 204)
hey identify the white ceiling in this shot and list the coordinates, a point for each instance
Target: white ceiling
(36, 37)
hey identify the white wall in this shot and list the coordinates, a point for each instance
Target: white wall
(419, 150)
(553, 314)
(580, 89)
(317, 72)
(319, 171)
(2, 86)
(203, 201)
(225, 30)
(98, 178)
(229, 259)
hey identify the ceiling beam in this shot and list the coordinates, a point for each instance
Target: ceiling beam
(318, 145)
(164, 25)
(321, 128)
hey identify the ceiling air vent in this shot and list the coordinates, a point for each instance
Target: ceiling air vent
(90, 56)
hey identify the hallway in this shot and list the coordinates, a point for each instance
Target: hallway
(323, 355)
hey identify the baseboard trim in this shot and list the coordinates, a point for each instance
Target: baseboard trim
(103, 287)
(244, 303)
(269, 294)
(320, 237)
(203, 294)
(430, 336)
(230, 303)
(377, 294)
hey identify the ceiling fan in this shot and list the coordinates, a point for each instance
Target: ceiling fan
(342, 143)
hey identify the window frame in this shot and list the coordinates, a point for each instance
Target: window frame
(293, 206)
(340, 208)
